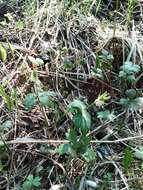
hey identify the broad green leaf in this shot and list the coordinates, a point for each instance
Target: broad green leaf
(31, 182)
(78, 104)
(72, 136)
(3, 53)
(27, 185)
(30, 101)
(80, 123)
(30, 177)
(83, 143)
(63, 149)
(80, 107)
(87, 118)
(37, 181)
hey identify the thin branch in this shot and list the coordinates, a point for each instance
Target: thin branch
(30, 140)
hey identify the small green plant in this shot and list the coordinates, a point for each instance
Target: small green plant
(128, 72)
(31, 182)
(106, 115)
(81, 125)
(79, 141)
(103, 62)
(131, 102)
(44, 98)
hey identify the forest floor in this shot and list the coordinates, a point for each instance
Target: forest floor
(71, 95)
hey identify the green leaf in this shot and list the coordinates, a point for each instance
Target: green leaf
(131, 79)
(27, 185)
(3, 53)
(36, 181)
(31, 182)
(96, 72)
(130, 68)
(77, 104)
(89, 155)
(132, 104)
(30, 101)
(106, 115)
(80, 107)
(83, 143)
(122, 74)
(7, 125)
(80, 123)
(128, 158)
(124, 102)
(46, 98)
(131, 93)
(98, 61)
(72, 136)
(63, 149)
